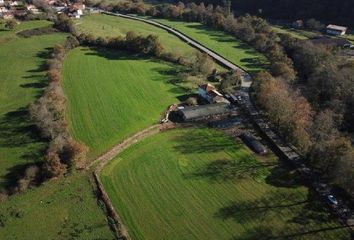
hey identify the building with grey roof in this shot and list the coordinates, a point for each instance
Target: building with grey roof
(203, 111)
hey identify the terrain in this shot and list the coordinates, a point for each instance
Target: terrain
(200, 184)
(113, 94)
(59, 209)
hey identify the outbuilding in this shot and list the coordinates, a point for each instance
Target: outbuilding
(203, 111)
(336, 30)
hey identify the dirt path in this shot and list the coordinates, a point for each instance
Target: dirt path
(114, 151)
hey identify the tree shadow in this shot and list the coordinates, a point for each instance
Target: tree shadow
(14, 174)
(202, 142)
(232, 170)
(16, 129)
(252, 63)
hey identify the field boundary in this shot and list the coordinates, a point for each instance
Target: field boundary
(120, 230)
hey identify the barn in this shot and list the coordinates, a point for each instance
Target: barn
(203, 111)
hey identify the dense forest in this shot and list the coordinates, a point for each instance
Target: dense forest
(339, 12)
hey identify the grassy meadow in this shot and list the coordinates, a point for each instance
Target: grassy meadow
(64, 208)
(226, 45)
(112, 95)
(200, 184)
(22, 78)
(59, 209)
(111, 26)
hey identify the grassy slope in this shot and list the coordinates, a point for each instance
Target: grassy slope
(21, 81)
(234, 50)
(113, 95)
(296, 33)
(175, 186)
(60, 209)
(104, 25)
(67, 205)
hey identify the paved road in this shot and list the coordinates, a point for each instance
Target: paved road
(289, 152)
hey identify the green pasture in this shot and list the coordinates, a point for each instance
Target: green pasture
(111, 26)
(226, 45)
(60, 209)
(200, 184)
(22, 78)
(112, 95)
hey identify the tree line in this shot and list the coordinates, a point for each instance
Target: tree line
(48, 113)
(326, 10)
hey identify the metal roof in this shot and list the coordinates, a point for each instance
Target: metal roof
(202, 111)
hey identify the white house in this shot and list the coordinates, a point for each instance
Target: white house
(336, 30)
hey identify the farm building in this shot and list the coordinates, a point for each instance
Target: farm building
(298, 24)
(336, 30)
(203, 111)
(253, 143)
(209, 93)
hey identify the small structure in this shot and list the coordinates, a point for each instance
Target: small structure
(209, 93)
(33, 9)
(76, 10)
(203, 111)
(336, 30)
(253, 143)
(298, 24)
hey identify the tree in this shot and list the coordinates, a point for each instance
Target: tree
(10, 24)
(203, 64)
(231, 80)
(53, 166)
(283, 70)
(314, 24)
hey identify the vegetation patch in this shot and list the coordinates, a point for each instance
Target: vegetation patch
(114, 94)
(200, 184)
(62, 209)
(22, 81)
(37, 32)
(236, 51)
(101, 25)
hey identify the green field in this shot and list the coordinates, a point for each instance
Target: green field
(110, 26)
(296, 33)
(200, 184)
(112, 95)
(226, 45)
(61, 209)
(22, 78)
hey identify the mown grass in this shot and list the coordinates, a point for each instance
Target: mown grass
(22, 78)
(60, 209)
(200, 184)
(226, 45)
(111, 26)
(112, 95)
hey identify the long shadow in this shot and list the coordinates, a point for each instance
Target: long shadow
(231, 170)
(15, 173)
(18, 131)
(202, 142)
